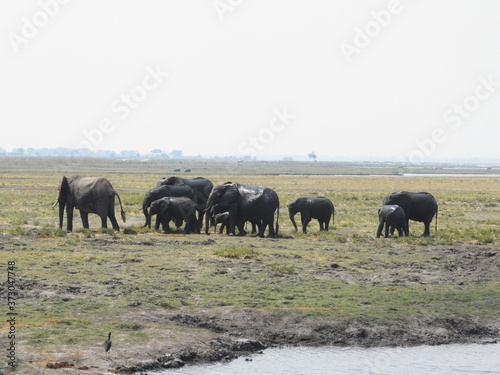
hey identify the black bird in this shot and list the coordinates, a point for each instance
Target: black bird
(107, 345)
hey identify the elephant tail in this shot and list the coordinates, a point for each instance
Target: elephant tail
(121, 207)
(436, 219)
(277, 222)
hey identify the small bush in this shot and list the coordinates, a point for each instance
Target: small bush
(46, 231)
(235, 252)
(109, 231)
(129, 230)
(86, 232)
(18, 231)
(284, 270)
(59, 233)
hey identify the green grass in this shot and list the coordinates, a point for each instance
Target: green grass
(77, 285)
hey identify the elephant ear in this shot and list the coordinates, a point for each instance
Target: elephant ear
(163, 205)
(231, 192)
(63, 189)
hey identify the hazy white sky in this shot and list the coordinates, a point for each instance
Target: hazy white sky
(401, 80)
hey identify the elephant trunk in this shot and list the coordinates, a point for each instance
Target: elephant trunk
(145, 211)
(148, 218)
(61, 214)
(293, 221)
(208, 215)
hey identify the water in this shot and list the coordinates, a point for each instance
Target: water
(470, 359)
(396, 175)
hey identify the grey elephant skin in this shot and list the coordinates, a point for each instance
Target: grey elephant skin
(245, 203)
(202, 187)
(319, 208)
(89, 195)
(394, 218)
(161, 192)
(175, 209)
(223, 220)
(419, 206)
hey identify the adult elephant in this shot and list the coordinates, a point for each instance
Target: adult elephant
(245, 203)
(164, 191)
(419, 206)
(201, 188)
(319, 208)
(89, 195)
(394, 218)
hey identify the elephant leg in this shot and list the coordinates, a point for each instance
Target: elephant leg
(201, 214)
(400, 232)
(321, 228)
(262, 229)
(165, 223)
(327, 224)
(254, 228)
(114, 223)
(158, 221)
(305, 220)
(387, 227)
(427, 225)
(85, 219)
(195, 227)
(231, 223)
(104, 222)
(191, 225)
(270, 224)
(405, 229)
(69, 219)
(241, 229)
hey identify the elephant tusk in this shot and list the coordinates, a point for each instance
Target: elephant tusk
(55, 204)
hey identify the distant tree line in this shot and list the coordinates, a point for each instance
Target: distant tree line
(70, 152)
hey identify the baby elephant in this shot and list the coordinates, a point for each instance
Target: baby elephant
(312, 208)
(394, 218)
(223, 220)
(174, 209)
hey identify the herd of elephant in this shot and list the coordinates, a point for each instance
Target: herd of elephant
(232, 205)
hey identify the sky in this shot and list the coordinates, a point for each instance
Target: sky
(400, 80)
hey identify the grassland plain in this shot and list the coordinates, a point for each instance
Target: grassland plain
(171, 299)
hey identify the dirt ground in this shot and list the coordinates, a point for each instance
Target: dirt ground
(238, 332)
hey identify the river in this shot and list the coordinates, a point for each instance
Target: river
(469, 359)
